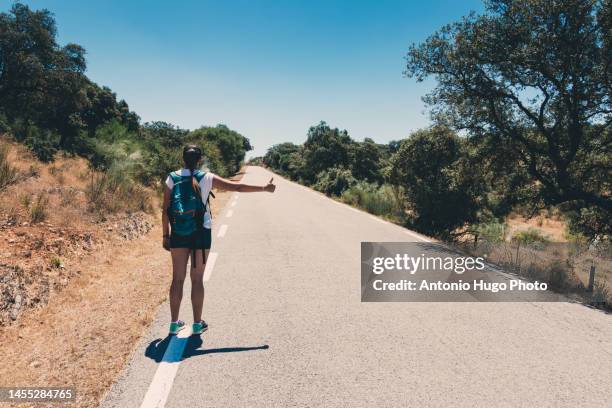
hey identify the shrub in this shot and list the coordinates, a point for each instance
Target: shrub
(589, 221)
(68, 196)
(601, 295)
(334, 181)
(378, 200)
(530, 236)
(493, 231)
(114, 191)
(38, 209)
(141, 199)
(112, 143)
(8, 174)
(33, 171)
(25, 200)
(4, 124)
(42, 142)
(286, 159)
(56, 262)
(559, 275)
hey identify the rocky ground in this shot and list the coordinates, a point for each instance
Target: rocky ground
(39, 259)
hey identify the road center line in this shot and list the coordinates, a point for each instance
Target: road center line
(229, 213)
(222, 231)
(160, 386)
(210, 264)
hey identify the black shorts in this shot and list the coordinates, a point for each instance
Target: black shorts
(203, 240)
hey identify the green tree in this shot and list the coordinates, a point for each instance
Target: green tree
(366, 161)
(325, 148)
(334, 180)
(534, 78)
(276, 156)
(102, 107)
(285, 158)
(39, 80)
(43, 84)
(162, 145)
(440, 186)
(231, 144)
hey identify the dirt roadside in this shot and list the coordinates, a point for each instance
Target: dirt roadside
(84, 335)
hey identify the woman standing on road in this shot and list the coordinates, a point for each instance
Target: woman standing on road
(186, 212)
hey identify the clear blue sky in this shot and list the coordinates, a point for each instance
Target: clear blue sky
(268, 69)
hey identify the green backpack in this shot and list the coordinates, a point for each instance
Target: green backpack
(186, 210)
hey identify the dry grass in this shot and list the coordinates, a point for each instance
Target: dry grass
(38, 208)
(552, 228)
(39, 180)
(110, 193)
(8, 174)
(564, 266)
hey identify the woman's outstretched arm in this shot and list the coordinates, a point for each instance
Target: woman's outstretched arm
(223, 184)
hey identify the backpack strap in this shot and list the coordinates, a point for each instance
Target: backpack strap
(175, 177)
(199, 175)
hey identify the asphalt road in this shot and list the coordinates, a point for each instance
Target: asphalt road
(288, 328)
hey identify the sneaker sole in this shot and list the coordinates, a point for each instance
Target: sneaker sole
(200, 332)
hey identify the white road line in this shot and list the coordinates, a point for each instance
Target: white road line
(210, 264)
(229, 213)
(160, 387)
(420, 238)
(222, 231)
(405, 231)
(375, 218)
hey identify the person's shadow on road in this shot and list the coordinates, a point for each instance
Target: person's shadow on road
(194, 343)
(157, 348)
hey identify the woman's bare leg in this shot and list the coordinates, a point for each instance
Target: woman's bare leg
(179, 269)
(197, 285)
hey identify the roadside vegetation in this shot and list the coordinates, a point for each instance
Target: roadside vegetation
(8, 174)
(521, 127)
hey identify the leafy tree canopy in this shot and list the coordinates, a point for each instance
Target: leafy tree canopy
(441, 187)
(325, 148)
(534, 78)
(43, 85)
